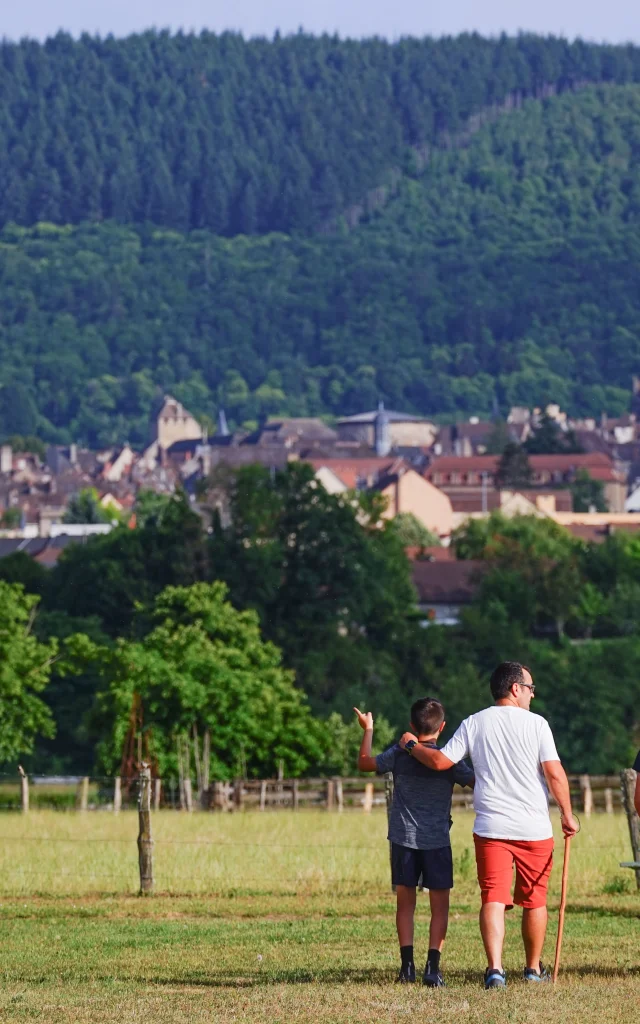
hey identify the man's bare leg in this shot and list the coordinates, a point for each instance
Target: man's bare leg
(439, 902)
(534, 929)
(492, 931)
(405, 912)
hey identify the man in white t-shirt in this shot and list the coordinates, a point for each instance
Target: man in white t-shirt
(513, 755)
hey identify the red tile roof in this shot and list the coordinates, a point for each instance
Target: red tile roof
(463, 463)
(597, 534)
(48, 556)
(446, 582)
(350, 471)
(469, 499)
(599, 465)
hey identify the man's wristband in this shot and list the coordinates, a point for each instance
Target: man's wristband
(409, 745)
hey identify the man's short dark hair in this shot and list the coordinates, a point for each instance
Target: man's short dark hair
(427, 715)
(504, 677)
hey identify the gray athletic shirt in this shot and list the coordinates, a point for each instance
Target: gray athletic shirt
(421, 810)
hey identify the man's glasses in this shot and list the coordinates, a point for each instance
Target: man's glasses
(529, 686)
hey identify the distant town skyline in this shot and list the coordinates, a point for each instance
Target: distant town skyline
(616, 21)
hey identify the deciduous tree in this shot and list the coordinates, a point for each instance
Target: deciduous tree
(25, 670)
(205, 664)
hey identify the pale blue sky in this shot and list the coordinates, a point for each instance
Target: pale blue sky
(615, 20)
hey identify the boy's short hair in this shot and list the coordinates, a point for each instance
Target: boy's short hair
(427, 715)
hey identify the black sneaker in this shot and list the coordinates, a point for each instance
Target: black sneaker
(431, 978)
(541, 975)
(494, 978)
(407, 974)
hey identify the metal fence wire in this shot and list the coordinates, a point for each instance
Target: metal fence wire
(146, 794)
(93, 793)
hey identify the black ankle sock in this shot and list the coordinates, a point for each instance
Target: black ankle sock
(433, 959)
(406, 954)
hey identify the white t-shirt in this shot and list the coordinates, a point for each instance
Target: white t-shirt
(507, 746)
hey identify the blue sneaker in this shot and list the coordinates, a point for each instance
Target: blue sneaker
(541, 975)
(407, 974)
(432, 978)
(494, 978)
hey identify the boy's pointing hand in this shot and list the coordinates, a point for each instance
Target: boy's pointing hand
(365, 719)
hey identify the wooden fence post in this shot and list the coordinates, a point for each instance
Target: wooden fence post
(388, 792)
(157, 793)
(368, 797)
(145, 842)
(188, 794)
(237, 795)
(331, 792)
(217, 795)
(206, 760)
(82, 796)
(117, 794)
(24, 790)
(608, 800)
(296, 795)
(339, 795)
(587, 795)
(263, 794)
(628, 785)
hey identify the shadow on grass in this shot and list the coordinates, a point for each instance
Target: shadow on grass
(332, 976)
(227, 979)
(629, 912)
(366, 976)
(598, 971)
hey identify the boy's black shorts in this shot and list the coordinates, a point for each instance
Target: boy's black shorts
(435, 867)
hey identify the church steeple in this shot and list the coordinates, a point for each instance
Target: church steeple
(223, 428)
(382, 431)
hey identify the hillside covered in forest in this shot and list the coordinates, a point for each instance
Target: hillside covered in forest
(304, 226)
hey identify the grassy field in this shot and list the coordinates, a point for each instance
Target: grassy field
(281, 917)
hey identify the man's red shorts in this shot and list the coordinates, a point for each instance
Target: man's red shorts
(495, 859)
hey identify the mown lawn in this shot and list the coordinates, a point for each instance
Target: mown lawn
(296, 927)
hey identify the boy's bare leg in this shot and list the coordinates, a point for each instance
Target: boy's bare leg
(439, 902)
(492, 931)
(534, 929)
(406, 907)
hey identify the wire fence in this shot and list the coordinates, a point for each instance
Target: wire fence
(44, 852)
(93, 793)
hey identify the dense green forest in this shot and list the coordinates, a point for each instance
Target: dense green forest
(506, 273)
(249, 136)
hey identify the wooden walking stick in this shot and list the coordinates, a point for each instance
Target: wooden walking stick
(563, 903)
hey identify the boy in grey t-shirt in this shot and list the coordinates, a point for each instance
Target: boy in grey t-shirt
(419, 832)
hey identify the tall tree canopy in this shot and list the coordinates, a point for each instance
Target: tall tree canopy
(205, 664)
(327, 577)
